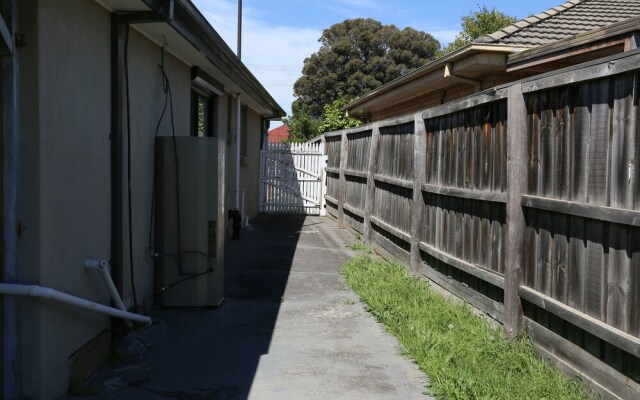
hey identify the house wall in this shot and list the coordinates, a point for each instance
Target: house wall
(65, 181)
(66, 189)
(65, 204)
(250, 167)
(438, 97)
(147, 101)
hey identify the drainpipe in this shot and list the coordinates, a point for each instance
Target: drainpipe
(11, 186)
(238, 140)
(48, 293)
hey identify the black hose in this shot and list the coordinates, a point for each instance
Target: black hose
(130, 217)
(153, 190)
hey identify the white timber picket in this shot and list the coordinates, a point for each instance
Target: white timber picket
(291, 178)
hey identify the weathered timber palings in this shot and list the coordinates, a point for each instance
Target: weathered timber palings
(419, 176)
(551, 206)
(618, 338)
(354, 210)
(371, 185)
(602, 68)
(342, 185)
(601, 213)
(475, 270)
(496, 197)
(359, 174)
(491, 307)
(331, 199)
(485, 97)
(396, 232)
(516, 187)
(394, 181)
(575, 361)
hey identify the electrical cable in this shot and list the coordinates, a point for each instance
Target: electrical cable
(166, 88)
(175, 155)
(151, 246)
(197, 252)
(176, 283)
(126, 79)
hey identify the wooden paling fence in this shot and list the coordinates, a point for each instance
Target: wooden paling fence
(524, 200)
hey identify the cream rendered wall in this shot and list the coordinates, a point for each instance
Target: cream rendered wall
(249, 173)
(65, 181)
(147, 100)
(66, 176)
(229, 109)
(250, 170)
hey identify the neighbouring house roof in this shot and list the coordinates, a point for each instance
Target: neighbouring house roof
(588, 20)
(564, 21)
(279, 134)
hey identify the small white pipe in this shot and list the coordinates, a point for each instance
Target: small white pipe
(103, 267)
(48, 293)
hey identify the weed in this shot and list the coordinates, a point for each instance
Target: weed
(464, 357)
(360, 247)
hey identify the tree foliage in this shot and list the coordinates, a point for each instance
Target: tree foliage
(335, 119)
(357, 56)
(302, 126)
(477, 24)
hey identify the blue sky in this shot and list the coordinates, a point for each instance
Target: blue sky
(279, 35)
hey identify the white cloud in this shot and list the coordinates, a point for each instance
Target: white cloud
(444, 36)
(274, 54)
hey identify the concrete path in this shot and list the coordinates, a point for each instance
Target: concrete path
(288, 329)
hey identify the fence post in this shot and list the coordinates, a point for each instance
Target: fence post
(516, 224)
(323, 175)
(371, 184)
(342, 186)
(419, 177)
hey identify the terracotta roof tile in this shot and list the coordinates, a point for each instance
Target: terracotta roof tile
(279, 134)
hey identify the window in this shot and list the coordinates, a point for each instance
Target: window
(204, 103)
(202, 115)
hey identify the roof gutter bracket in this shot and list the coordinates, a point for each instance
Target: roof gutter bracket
(448, 73)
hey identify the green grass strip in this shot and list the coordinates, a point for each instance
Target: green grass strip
(464, 357)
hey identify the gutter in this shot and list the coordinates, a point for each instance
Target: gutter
(193, 26)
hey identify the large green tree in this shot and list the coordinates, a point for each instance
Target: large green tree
(357, 56)
(477, 24)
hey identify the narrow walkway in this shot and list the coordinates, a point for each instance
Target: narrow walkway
(288, 329)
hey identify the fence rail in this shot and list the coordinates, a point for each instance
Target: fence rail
(523, 200)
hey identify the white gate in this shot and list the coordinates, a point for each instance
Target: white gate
(291, 178)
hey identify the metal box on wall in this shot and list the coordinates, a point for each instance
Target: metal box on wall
(189, 221)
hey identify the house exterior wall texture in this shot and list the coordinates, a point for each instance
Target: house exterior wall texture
(438, 97)
(66, 205)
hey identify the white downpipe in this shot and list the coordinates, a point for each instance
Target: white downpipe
(102, 266)
(48, 293)
(238, 140)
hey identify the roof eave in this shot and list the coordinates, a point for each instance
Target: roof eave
(456, 56)
(190, 23)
